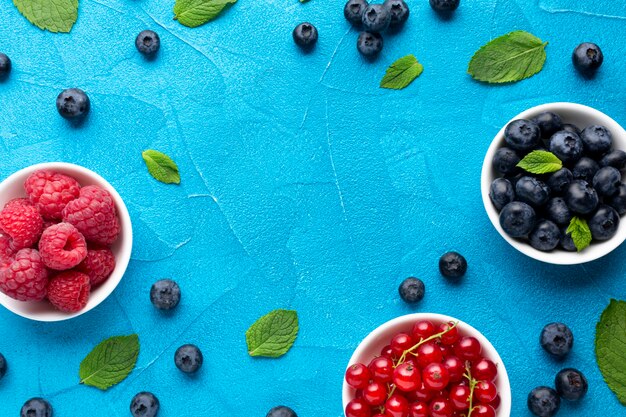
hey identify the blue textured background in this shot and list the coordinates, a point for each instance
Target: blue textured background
(305, 186)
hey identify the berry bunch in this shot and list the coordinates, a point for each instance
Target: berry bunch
(432, 371)
(54, 244)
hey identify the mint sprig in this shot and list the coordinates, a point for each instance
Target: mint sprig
(110, 362)
(273, 334)
(161, 167)
(611, 347)
(540, 162)
(402, 73)
(52, 15)
(194, 13)
(580, 232)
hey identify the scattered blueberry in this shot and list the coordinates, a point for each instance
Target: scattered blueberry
(571, 384)
(544, 402)
(517, 219)
(36, 407)
(353, 11)
(618, 201)
(567, 146)
(188, 358)
(556, 210)
(501, 193)
(545, 236)
(369, 44)
(412, 290)
(549, 123)
(568, 127)
(148, 42)
(144, 404)
(505, 161)
(587, 58)
(165, 294)
(5, 66)
(615, 159)
(376, 18)
(581, 198)
(444, 5)
(532, 191)
(585, 169)
(557, 339)
(607, 181)
(452, 265)
(522, 135)
(305, 35)
(73, 103)
(281, 411)
(597, 140)
(3, 366)
(604, 223)
(399, 11)
(567, 243)
(559, 180)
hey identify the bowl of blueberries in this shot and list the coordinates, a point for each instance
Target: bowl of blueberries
(552, 183)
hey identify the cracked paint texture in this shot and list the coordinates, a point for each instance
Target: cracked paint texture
(304, 186)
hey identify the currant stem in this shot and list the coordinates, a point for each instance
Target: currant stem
(472, 385)
(421, 342)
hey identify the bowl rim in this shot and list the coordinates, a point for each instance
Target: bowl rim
(121, 261)
(557, 257)
(403, 321)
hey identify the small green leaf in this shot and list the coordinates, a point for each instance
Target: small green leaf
(52, 15)
(402, 73)
(304, 1)
(540, 162)
(110, 362)
(273, 334)
(509, 58)
(161, 167)
(611, 347)
(580, 232)
(193, 13)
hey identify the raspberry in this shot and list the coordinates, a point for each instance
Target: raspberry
(94, 215)
(98, 264)
(69, 291)
(50, 192)
(24, 277)
(6, 246)
(62, 247)
(18, 202)
(22, 223)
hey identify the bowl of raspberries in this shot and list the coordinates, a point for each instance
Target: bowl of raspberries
(426, 365)
(65, 241)
(553, 184)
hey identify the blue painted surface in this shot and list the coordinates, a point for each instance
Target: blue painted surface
(304, 186)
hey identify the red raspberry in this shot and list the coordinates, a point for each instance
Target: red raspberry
(62, 247)
(24, 277)
(18, 202)
(98, 264)
(50, 192)
(22, 223)
(6, 246)
(94, 215)
(69, 291)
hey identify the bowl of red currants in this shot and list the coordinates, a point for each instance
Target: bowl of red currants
(426, 365)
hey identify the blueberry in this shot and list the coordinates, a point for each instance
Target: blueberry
(615, 159)
(188, 358)
(558, 212)
(452, 265)
(376, 18)
(549, 123)
(543, 402)
(399, 12)
(585, 169)
(517, 219)
(281, 411)
(3, 366)
(522, 135)
(36, 407)
(353, 11)
(581, 198)
(5, 66)
(587, 58)
(444, 5)
(567, 146)
(73, 103)
(505, 161)
(559, 180)
(571, 384)
(532, 191)
(567, 243)
(369, 44)
(607, 181)
(305, 35)
(148, 42)
(557, 339)
(568, 127)
(604, 223)
(545, 236)
(144, 404)
(412, 290)
(501, 193)
(597, 140)
(618, 201)
(165, 294)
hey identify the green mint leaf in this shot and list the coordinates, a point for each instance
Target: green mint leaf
(193, 13)
(402, 73)
(110, 362)
(52, 15)
(579, 230)
(273, 334)
(611, 347)
(540, 162)
(161, 167)
(509, 58)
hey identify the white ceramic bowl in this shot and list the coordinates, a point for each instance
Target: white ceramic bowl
(13, 187)
(581, 116)
(371, 346)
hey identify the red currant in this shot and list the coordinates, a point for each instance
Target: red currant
(358, 408)
(423, 394)
(451, 335)
(379, 415)
(406, 377)
(418, 409)
(485, 391)
(375, 393)
(440, 407)
(484, 370)
(357, 376)
(455, 368)
(445, 350)
(483, 410)
(495, 403)
(396, 406)
(423, 329)
(460, 396)
(468, 348)
(388, 352)
(428, 353)
(381, 369)
(435, 376)
(400, 343)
